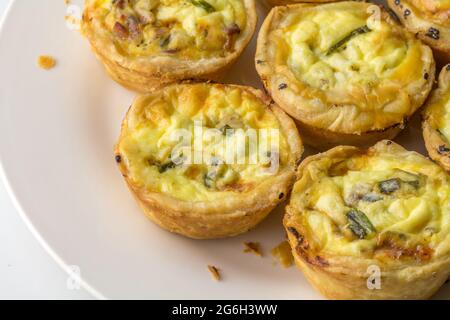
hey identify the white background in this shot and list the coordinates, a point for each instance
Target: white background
(26, 270)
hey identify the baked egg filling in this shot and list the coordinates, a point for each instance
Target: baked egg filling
(376, 205)
(159, 161)
(320, 57)
(186, 29)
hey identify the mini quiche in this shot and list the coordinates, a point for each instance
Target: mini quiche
(344, 75)
(436, 121)
(371, 224)
(429, 20)
(177, 154)
(145, 44)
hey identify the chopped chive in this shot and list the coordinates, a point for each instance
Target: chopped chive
(165, 41)
(167, 166)
(208, 181)
(227, 130)
(360, 225)
(347, 38)
(371, 197)
(204, 5)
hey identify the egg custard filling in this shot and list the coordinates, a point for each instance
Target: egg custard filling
(345, 67)
(379, 204)
(333, 49)
(186, 29)
(158, 158)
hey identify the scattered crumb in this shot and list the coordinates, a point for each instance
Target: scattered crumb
(214, 272)
(46, 62)
(253, 247)
(67, 2)
(283, 254)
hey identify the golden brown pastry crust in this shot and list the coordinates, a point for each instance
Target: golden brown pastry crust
(346, 277)
(147, 73)
(285, 2)
(321, 129)
(430, 23)
(232, 215)
(438, 147)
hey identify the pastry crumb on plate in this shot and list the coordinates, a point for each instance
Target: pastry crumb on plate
(46, 62)
(253, 247)
(215, 272)
(283, 254)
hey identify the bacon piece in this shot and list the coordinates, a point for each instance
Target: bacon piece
(120, 30)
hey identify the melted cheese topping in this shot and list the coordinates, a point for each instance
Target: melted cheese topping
(365, 70)
(405, 197)
(187, 29)
(148, 142)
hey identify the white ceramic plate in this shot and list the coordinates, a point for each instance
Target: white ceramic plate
(57, 131)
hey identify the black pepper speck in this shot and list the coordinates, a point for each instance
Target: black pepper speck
(282, 86)
(294, 232)
(433, 33)
(443, 149)
(118, 158)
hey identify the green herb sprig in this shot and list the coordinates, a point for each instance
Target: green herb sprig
(347, 38)
(359, 224)
(204, 5)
